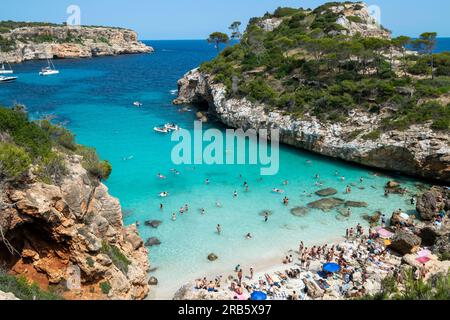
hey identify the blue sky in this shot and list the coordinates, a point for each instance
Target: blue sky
(195, 19)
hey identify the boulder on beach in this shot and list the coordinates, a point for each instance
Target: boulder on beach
(326, 204)
(153, 223)
(374, 219)
(299, 211)
(442, 245)
(400, 218)
(428, 205)
(153, 241)
(212, 257)
(153, 281)
(314, 291)
(327, 192)
(356, 204)
(405, 242)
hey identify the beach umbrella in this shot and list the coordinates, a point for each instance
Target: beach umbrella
(331, 267)
(258, 295)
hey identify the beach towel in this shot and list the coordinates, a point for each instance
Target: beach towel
(385, 234)
(423, 260)
(424, 253)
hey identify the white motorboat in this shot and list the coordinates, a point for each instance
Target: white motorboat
(49, 70)
(138, 104)
(172, 127)
(3, 69)
(161, 129)
(7, 79)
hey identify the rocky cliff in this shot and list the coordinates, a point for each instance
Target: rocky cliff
(48, 42)
(71, 237)
(418, 151)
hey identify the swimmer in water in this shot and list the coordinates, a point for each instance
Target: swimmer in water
(286, 201)
(218, 205)
(235, 194)
(285, 182)
(202, 211)
(207, 181)
(248, 236)
(342, 178)
(174, 217)
(266, 217)
(161, 207)
(219, 229)
(186, 208)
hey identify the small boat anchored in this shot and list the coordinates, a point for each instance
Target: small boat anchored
(138, 104)
(167, 128)
(7, 79)
(172, 127)
(49, 70)
(3, 69)
(161, 129)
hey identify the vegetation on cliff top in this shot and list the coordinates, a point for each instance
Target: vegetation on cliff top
(9, 43)
(23, 290)
(42, 146)
(309, 65)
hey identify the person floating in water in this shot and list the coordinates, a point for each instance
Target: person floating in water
(286, 201)
(174, 217)
(161, 207)
(248, 236)
(285, 182)
(207, 181)
(266, 216)
(235, 194)
(219, 229)
(218, 205)
(202, 211)
(348, 190)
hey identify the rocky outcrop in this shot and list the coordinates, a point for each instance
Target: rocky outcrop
(405, 242)
(7, 296)
(48, 42)
(418, 151)
(430, 203)
(72, 235)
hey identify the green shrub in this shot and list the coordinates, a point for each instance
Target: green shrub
(373, 135)
(117, 257)
(14, 161)
(355, 19)
(51, 169)
(20, 287)
(91, 162)
(105, 287)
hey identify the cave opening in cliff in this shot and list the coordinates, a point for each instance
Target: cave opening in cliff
(26, 242)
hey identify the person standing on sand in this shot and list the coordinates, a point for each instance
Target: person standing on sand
(251, 273)
(239, 275)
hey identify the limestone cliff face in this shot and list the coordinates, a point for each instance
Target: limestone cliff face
(48, 42)
(418, 151)
(72, 235)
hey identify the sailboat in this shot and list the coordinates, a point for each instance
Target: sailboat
(49, 70)
(3, 69)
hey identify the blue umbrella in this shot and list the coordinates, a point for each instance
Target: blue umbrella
(258, 295)
(331, 267)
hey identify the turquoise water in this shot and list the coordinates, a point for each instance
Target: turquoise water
(93, 98)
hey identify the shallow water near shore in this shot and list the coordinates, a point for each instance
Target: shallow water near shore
(93, 98)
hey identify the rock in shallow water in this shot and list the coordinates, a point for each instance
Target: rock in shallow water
(327, 192)
(152, 242)
(356, 204)
(153, 281)
(299, 211)
(326, 204)
(153, 223)
(212, 257)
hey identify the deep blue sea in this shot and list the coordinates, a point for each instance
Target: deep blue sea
(93, 98)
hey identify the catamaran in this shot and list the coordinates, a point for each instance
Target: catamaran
(3, 69)
(49, 70)
(7, 79)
